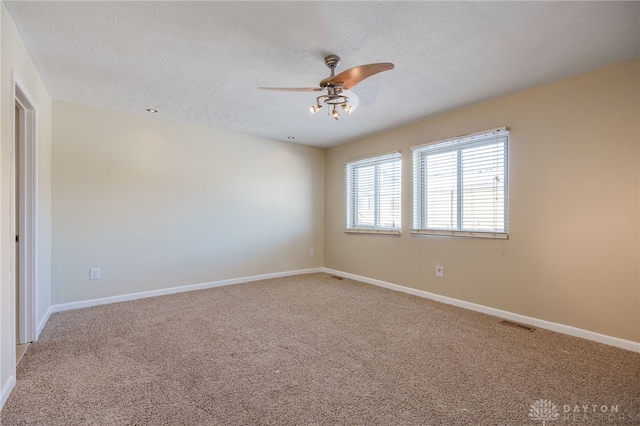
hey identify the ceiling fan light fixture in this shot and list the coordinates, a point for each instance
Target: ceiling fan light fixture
(315, 108)
(347, 108)
(335, 114)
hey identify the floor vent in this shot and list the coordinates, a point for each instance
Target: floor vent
(337, 277)
(516, 325)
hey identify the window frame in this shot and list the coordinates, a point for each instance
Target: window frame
(351, 200)
(457, 144)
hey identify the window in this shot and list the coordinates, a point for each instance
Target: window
(373, 194)
(460, 186)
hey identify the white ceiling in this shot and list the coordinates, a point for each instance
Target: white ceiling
(203, 62)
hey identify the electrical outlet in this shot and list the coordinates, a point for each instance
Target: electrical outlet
(439, 270)
(94, 273)
(312, 252)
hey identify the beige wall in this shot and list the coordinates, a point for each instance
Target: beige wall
(14, 57)
(158, 204)
(573, 251)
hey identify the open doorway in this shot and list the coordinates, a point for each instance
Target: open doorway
(24, 218)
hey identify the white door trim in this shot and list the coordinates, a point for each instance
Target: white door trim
(28, 223)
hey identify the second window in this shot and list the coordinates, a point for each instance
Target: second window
(373, 193)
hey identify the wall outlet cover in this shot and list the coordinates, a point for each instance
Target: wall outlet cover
(94, 273)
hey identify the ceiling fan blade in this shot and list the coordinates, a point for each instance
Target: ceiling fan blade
(353, 76)
(293, 89)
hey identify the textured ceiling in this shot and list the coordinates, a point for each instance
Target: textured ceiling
(203, 62)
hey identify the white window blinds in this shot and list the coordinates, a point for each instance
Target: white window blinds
(373, 193)
(460, 186)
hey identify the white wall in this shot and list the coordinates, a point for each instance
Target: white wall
(14, 58)
(158, 204)
(573, 249)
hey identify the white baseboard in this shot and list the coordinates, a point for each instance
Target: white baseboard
(6, 390)
(43, 322)
(153, 293)
(548, 325)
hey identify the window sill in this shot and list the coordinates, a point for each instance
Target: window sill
(372, 231)
(461, 234)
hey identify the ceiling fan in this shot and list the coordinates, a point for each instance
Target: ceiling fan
(338, 87)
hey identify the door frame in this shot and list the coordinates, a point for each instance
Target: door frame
(28, 224)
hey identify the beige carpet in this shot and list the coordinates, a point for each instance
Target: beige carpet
(313, 350)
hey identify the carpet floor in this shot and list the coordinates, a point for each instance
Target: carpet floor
(313, 349)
